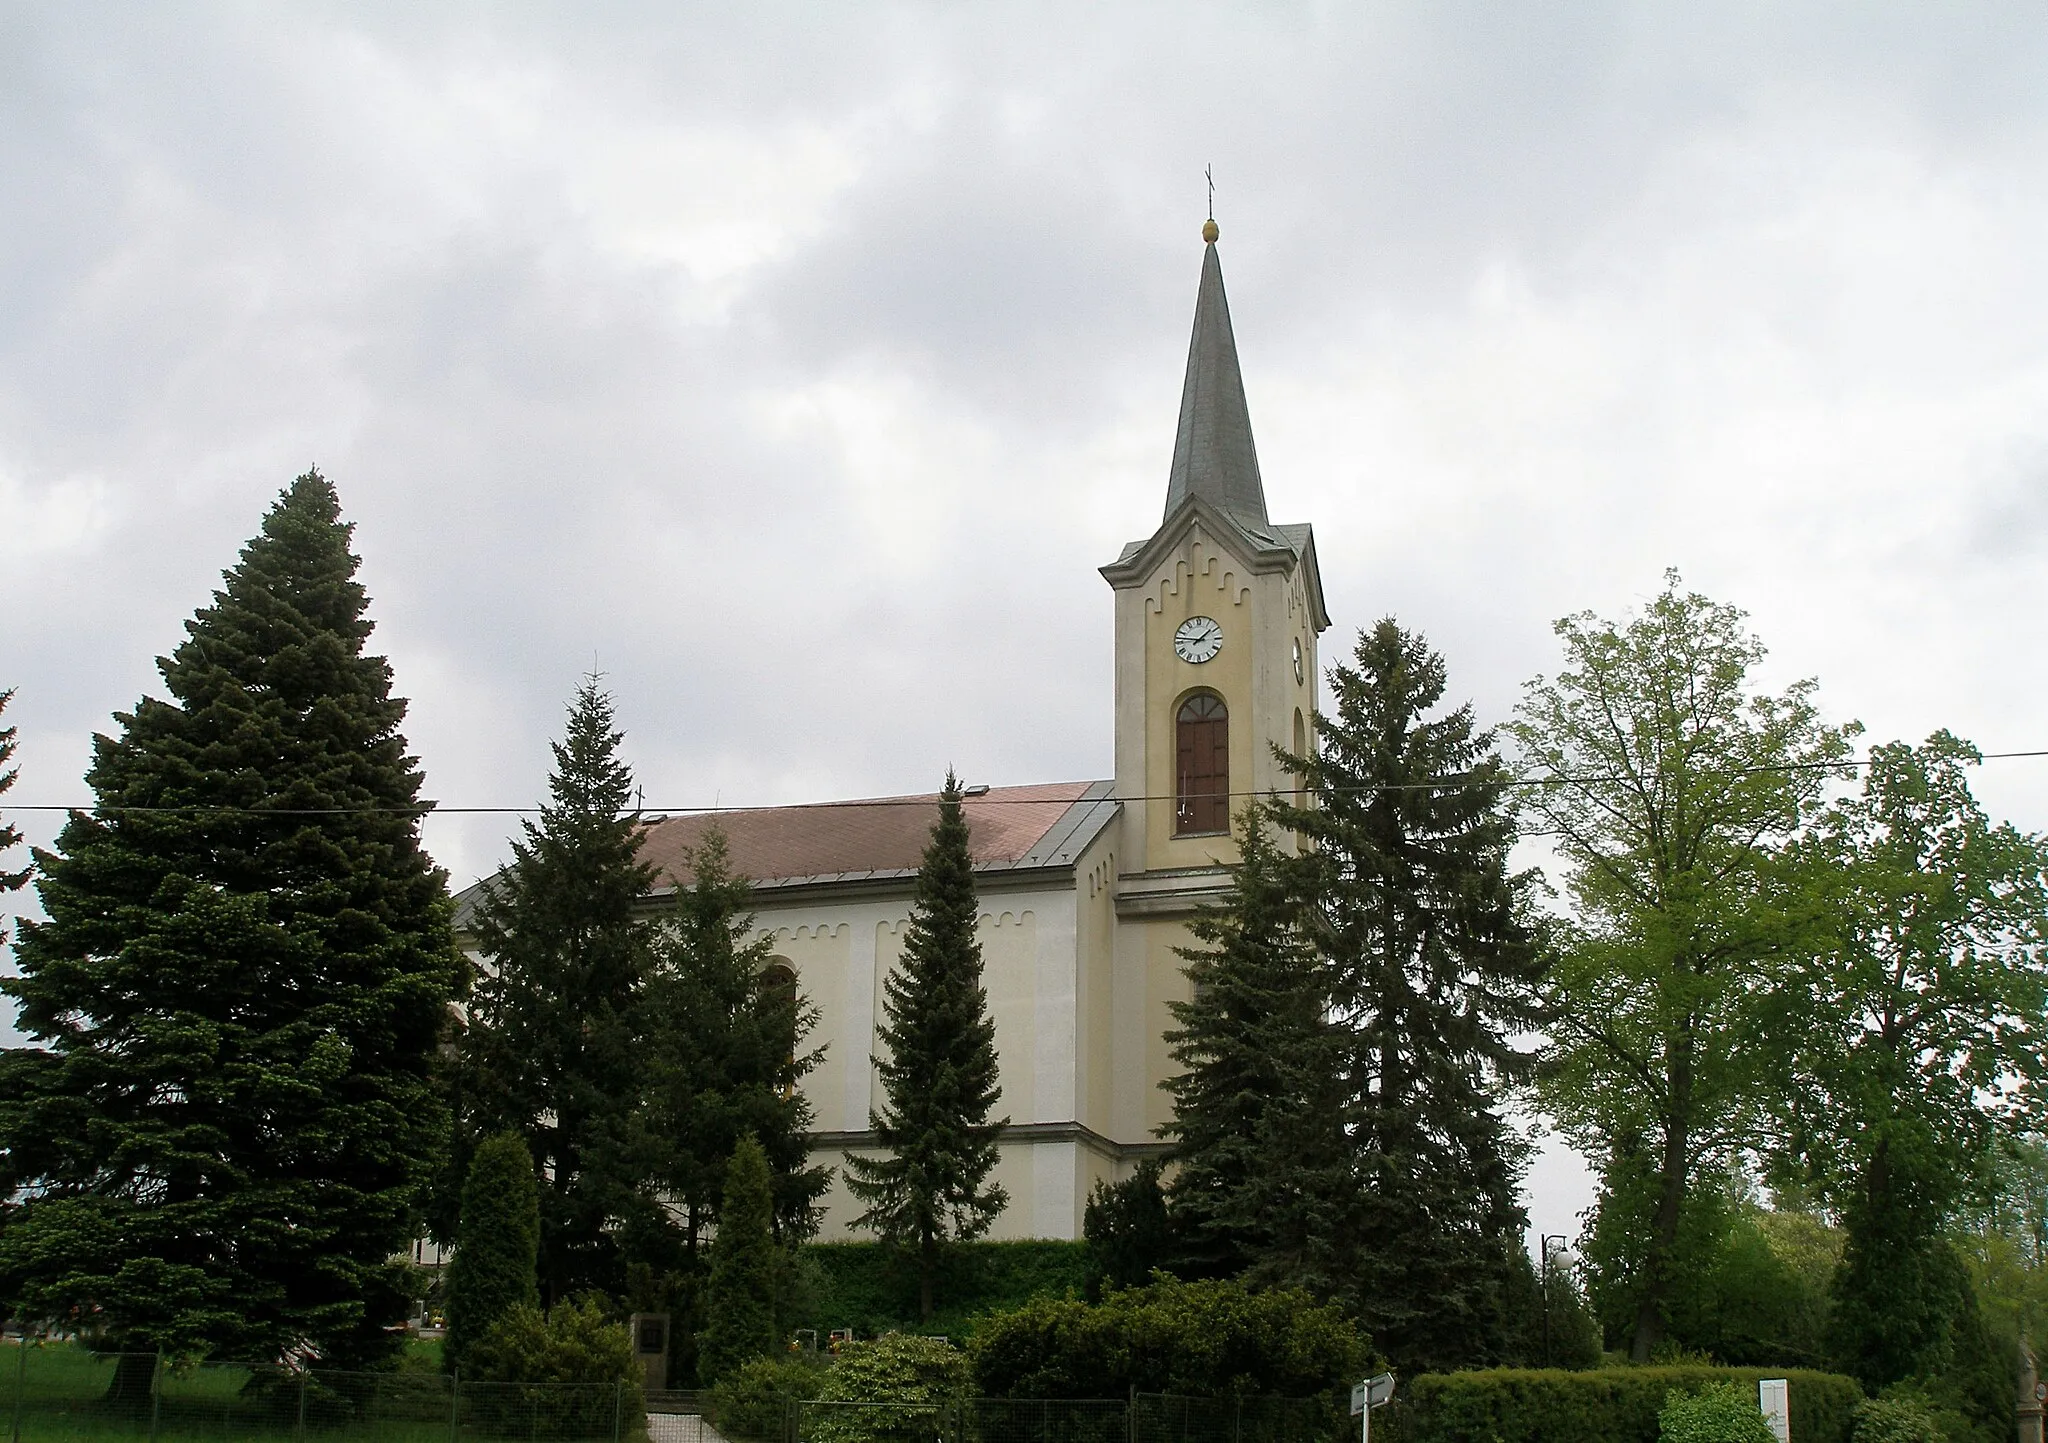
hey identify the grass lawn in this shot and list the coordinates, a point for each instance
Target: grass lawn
(58, 1393)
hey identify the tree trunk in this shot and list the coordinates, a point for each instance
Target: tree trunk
(1663, 1234)
(134, 1377)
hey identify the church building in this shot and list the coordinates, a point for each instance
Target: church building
(1086, 887)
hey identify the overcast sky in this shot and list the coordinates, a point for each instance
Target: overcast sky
(797, 366)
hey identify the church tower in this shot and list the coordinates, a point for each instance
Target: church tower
(1217, 616)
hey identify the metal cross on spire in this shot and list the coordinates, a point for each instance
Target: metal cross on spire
(1209, 174)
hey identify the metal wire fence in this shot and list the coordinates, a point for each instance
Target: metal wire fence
(60, 1393)
(1142, 1418)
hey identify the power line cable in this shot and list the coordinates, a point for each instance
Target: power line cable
(928, 799)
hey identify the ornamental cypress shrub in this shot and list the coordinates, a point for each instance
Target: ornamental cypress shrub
(223, 1129)
(492, 1271)
(939, 1073)
(739, 1308)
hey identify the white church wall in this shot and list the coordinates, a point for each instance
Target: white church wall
(844, 950)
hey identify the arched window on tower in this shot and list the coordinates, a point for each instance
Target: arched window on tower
(1201, 766)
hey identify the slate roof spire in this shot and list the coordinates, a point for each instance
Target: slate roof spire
(1213, 456)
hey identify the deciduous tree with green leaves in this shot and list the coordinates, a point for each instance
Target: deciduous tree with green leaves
(556, 1010)
(1915, 1038)
(1669, 785)
(495, 1268)
(222, 1132)
(939, 1074)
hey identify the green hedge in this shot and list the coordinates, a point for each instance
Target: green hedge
(865, 1287)
(1603, 1405)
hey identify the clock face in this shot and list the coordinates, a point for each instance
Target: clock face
(1197, 640)
(1297, 661)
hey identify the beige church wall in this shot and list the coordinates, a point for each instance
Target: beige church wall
(1200, 580)
(1166, 982)
(1263, 616)
(843, 951)
(832, 947)
(1150, 974)
(1047, 1183)
(1010, 972)
(1095, 990)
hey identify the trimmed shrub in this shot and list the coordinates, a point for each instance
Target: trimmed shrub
(900, 1369)
(1601, 1405)
(865, 1287)
(752, 1400)
(571, 1366)
(573, 1342)
(1209, 1339)
(1896, 1418)
(1718, 1413)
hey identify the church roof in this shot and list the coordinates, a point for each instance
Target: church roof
(1213, 455)
(1009, 829)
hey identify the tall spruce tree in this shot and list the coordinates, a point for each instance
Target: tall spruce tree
(554, 1019)
(10, 836)
(939, 1076)
(725, 1056)
(740, 1302)
(222, 1135)
(496, 1267)
(1266, 1178)
(1410, 900)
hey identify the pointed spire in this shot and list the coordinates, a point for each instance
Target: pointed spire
(1213, 456)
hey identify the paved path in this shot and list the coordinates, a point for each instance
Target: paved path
(680, 1428)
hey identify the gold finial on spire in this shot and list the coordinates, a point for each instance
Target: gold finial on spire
(1209, 231)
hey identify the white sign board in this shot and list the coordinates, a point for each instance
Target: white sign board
(1770, 1396)
(1357, 1399)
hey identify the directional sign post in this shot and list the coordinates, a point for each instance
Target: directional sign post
(1372, 1393)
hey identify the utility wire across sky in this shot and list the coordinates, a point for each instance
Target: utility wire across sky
(926, 799)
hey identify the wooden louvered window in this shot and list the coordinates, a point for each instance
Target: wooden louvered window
(1201, 766)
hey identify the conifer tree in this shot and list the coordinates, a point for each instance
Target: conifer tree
(1410, 901)
(1266, 1180)
(10, 837)
(939, 1076)
(555, 1015)
(740, 1302)
(725, 1055)
(494, 1269)
(221, 1136)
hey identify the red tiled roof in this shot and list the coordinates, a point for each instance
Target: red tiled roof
(882, 834)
